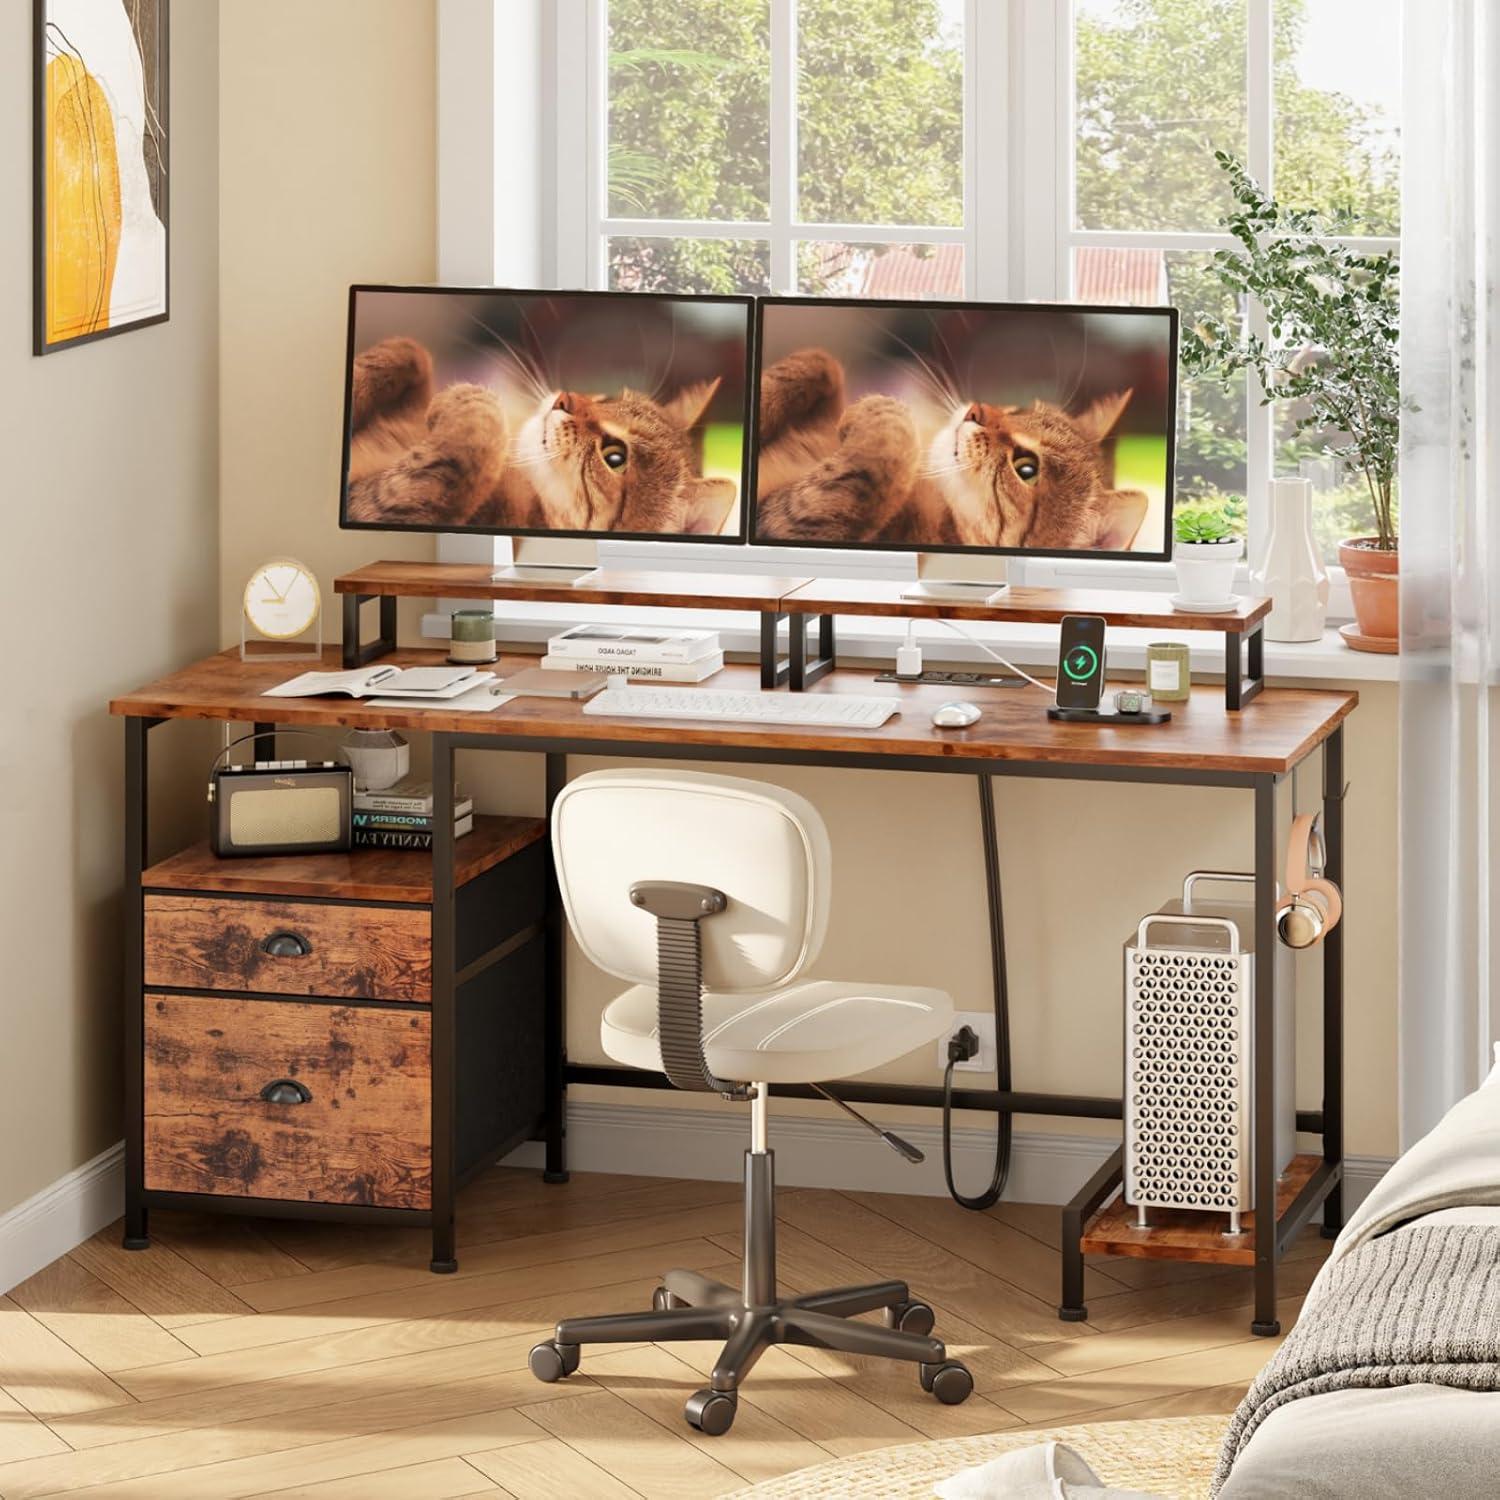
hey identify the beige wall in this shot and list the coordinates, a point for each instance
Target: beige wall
(1081, 864)
(111, 535)
(326, 149)
(327, 155)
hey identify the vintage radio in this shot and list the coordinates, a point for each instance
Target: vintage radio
(279, 806)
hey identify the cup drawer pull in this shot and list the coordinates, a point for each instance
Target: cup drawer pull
(286, 945)
(286, 1091)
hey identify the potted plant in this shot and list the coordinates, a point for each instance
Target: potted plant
(1206, 548)
(1333, 315)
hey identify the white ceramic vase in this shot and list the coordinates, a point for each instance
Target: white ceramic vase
(380, 757)
(1292, 574)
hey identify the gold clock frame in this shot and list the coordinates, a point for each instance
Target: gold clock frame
(309, 640)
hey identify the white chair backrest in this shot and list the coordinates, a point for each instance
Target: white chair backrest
(764, 847)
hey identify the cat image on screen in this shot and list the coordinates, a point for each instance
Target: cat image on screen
(571, 461)
(962, 473)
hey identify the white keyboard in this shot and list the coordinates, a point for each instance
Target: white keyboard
(835, 711)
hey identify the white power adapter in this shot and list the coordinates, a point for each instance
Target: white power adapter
(909, 655)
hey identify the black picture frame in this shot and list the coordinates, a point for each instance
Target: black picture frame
(1158, 554)
(731, 539)
(155, 62)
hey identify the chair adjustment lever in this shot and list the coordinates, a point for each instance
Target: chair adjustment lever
(900, 1147)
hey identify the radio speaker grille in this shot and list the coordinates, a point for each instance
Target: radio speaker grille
(288, 815)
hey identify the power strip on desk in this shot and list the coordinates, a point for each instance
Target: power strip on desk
(955, 679)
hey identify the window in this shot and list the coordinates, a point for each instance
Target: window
(1307, 93)
(766, 145)
(908, 148)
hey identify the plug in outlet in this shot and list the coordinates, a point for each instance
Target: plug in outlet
(983, 1024)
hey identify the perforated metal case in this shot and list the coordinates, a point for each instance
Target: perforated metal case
(1189, 1007)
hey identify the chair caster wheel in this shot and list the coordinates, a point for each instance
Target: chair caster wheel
(664, 1301)
(910, 1317)
(950, 1382)
(711, 1412)
(553, 1361)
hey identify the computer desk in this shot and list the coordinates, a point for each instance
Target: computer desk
(1203, 745)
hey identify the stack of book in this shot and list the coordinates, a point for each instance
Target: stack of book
(659, 653)
(400, 816)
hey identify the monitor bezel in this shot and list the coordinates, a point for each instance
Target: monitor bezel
(727, 539)
(752, 508)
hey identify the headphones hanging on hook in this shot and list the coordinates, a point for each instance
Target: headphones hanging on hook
(1311, 905)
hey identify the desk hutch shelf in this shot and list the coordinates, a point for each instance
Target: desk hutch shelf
(800, 604)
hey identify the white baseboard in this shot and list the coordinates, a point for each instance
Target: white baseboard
(654, 1142)
(52, 1222)
(1045, 1168)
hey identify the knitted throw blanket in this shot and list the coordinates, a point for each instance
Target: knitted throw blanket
(1418, 1307)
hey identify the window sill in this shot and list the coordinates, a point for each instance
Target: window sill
(873, 641)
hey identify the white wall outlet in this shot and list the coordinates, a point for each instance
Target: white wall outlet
(983, 1022)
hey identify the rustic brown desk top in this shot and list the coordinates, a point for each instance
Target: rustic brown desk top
(881, 596)
(659, 590)
(1281, 727)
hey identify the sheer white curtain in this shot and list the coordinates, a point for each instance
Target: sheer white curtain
(1450, 553)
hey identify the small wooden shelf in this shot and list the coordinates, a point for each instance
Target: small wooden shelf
(1179, 1234)
(749, 591)
(880, 596)
(403, 875)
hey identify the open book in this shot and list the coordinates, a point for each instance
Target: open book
(429, 684)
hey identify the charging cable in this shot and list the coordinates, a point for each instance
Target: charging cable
(993, 655)
(964, 1044)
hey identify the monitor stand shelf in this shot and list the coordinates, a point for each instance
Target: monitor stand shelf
(801, 603)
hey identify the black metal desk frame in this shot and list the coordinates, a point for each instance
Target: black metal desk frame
(1272, 1235)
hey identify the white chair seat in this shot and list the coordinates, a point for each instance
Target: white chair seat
(807, 1033)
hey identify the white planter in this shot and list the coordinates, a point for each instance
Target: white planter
(1205, 570)
(1292, 575)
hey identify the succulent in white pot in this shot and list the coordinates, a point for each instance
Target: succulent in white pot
(1205, 552)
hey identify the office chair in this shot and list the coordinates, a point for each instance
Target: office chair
(710, 894)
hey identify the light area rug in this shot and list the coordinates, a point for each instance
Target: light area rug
(1172, 1457)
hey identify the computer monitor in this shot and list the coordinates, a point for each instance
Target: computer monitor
(546, 415)
(964, 431)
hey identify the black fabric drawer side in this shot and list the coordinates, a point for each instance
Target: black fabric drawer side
(499, 903)
(501, 1068)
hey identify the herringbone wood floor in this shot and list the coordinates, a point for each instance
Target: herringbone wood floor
(254, 1357)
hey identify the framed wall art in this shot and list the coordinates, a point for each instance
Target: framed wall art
(100, 171)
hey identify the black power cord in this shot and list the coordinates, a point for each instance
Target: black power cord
(964, 1044)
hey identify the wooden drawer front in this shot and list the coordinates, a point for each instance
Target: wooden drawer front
(364, 1135)
(218, 943)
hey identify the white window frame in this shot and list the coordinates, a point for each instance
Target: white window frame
(1020, 126)
(1054, 281)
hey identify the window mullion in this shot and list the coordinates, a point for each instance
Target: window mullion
(1260, 160)
(597, 92)
(783, 144)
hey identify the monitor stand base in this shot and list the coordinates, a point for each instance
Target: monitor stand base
(559, 577)
(956, 590)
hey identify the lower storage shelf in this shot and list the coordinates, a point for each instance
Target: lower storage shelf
(1182, 1234)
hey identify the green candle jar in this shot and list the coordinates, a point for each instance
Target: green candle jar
(1168, 678)
(471, 636)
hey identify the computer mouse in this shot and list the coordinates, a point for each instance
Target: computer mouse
(955, 715)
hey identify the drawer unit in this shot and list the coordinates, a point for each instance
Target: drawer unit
(288, 1100)
(295, 1048)
(223, 942)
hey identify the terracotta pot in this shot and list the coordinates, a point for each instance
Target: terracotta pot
(1375, 585)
